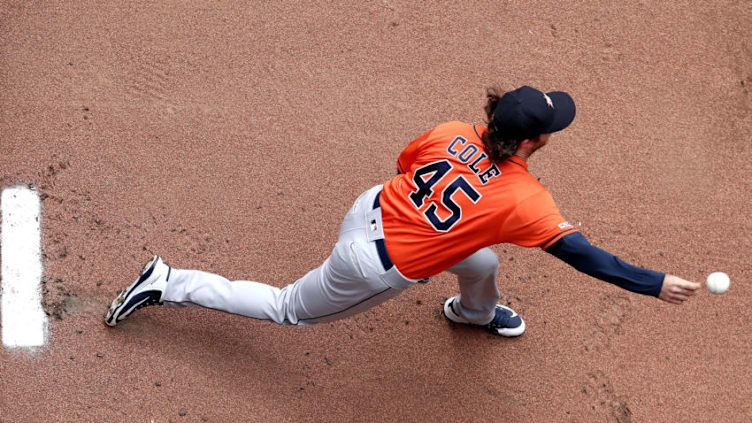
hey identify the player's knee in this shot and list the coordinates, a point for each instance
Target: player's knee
(486, 262)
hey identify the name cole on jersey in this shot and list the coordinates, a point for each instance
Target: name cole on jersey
(467, 154)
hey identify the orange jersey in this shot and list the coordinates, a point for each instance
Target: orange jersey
(450, 200)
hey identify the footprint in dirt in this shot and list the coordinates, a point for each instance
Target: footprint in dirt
(64, 303)
(600, 393)
(613, 313)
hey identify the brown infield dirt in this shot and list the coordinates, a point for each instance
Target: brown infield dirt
(233, 136)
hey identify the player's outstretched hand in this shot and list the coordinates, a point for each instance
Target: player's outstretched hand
(676, 290)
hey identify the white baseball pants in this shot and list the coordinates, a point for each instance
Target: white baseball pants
(353, 279)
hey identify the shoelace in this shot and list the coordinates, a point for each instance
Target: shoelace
(501, 319)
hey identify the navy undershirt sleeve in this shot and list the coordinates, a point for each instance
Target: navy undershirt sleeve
(575, 250)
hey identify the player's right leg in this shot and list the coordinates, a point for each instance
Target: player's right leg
(350, 281)
(343, 285)
(477, 303)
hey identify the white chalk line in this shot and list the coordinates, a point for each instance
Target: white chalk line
(24, 322)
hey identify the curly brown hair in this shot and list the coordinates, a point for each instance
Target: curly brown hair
(498, 146)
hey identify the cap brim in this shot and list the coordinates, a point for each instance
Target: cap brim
(564, 111)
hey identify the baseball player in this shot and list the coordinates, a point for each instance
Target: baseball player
(460, 188)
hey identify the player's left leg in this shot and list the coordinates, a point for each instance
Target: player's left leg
(479, 295)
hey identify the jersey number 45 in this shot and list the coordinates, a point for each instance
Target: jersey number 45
(429, 175)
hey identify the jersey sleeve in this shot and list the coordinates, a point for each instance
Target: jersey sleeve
(576, 251)
(536, 222)
(410, 153)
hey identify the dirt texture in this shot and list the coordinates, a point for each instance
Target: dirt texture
(233, 136)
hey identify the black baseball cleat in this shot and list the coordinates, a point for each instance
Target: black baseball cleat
(147, 290)
(506, 322)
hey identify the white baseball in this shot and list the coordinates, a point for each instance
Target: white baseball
(718, 282)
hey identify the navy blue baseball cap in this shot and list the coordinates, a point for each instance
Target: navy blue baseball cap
(526, 113)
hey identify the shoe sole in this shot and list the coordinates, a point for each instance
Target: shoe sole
(120, 299)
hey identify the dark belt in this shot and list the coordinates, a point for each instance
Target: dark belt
(380, 244)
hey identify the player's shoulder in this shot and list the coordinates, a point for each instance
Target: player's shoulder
(522, 183)
(535, 195)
